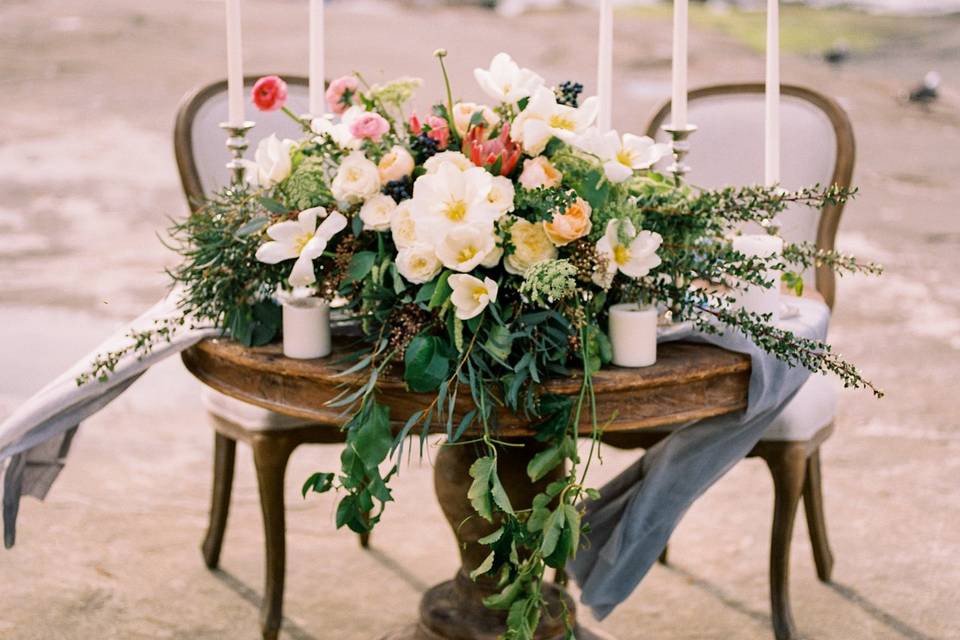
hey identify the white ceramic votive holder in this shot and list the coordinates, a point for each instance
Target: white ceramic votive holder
(306, 328)
(633, 335)
(756, 298)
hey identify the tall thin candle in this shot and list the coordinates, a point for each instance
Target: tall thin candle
(317, 100)
(605, 65)
(771, 164)
(235, 103)
(678, 104)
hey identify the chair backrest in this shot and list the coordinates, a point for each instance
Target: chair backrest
(817, 147)
(199, 142)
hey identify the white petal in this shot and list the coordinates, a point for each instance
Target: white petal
(588, 111)
(536, 135)
(334, 224)
(314, 247)
(274, 252)
(615, 171)
(286, 231)
(302, 273)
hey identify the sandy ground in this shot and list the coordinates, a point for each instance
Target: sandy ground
(88, 179)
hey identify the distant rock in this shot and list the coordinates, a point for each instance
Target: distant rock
(927, 92)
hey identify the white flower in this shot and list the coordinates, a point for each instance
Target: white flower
(544, 118)
(457, 159)
(451, 198)
(376, 212)
(357, 179)
(402, 226)
(465, 247)
(635, 259)
(471, 295)
(395, 164)
(505, 81)
(418, 263)
(530, 246)
(463, 113)
(272, 162)
(621, 156)
(302, 240)
(339, 132)
(501, 194)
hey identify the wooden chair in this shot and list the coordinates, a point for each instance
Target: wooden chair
(818, 147)
(201, 156)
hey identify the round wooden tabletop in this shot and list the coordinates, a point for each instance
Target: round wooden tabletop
(688, 382)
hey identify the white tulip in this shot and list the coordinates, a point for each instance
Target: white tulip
(402, 226)
(530, 246)
(544, 118)
(357, 179)
(457, 159)
(501, 194)
(377, 211)
(635, 259)
(463, 113)
(450, 198)
(303, 240)
(471, 295)
(506, 81)
(418, 263)
(272, 162)
(621, 156)
(465, 247)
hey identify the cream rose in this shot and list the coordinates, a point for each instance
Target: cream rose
(395, 164)
(402, 226)
(570, 225)
(531, 245)
(471, 295)
(377, 211)
(357, 179)
(463, 113)
(418, 263)
(457, 159)
(539, 172)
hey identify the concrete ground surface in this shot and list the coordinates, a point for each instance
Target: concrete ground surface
(88, 179)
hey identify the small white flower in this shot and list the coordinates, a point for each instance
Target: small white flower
(457, 159)
(465, 247)
(471, 295)
(303, 240)
(376, 212)
(418, 263)
(621, 156)
(402, 226)
(272, 162)
(506, 81)
(530, 246)
(501, 194)
(357, 179)
(463, 113)
(635, 259)
(544, 118)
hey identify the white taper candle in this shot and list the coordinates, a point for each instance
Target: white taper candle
(605, 65)
(771, 163)
(318, 105)
(678, 103)
(235, 103)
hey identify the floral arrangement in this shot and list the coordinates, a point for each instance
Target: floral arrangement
(479, 248)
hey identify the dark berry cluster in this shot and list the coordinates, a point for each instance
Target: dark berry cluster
(568, 93)
(399, 190)
(423, 147)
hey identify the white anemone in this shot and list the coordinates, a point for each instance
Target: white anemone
(450, 198)
(621, 156)
(634, 258)
(544, 118)
(301, 239)
(506, 81)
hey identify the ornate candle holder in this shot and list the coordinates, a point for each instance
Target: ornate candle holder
(681, 147)
(237, 144)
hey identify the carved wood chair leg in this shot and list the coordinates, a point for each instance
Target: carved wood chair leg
(270, 455)
(816, 522)
(788, 466)
(664, 557)
(224, 455)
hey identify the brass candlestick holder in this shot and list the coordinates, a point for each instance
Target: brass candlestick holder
(680, 145)
(237, 144)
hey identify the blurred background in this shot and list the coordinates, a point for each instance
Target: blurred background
(88, 183)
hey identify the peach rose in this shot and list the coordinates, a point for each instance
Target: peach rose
(570, 225)
(539, 172)
(395, 164)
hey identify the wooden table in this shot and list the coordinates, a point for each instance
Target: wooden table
(689, 382)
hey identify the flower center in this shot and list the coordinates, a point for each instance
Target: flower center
(558, 121)
(479, 292)
(456, 211)
(353, 174)
(466, 254)
(625, 158)
(621, 254)
(301, 241)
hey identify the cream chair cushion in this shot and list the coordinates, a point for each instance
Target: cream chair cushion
(812, 409)
(249, 416)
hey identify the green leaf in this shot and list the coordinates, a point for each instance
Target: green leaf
(374, 438)
(572, 516)
(552, 530)
(360, 265)
(544, 462)
(506, 597)
(499, 343)
(479, 493)
(273, 206)
(441, 291)
(426, 292)
(493, 537)
(484, 567)
(253, 226)
(595, 189)
(267, 319)
(426, 364)
(318, 483)
(499, 493)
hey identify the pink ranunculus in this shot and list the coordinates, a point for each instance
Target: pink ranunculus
(439, 131)
(269, 93)
(371, 126)
(340, 94)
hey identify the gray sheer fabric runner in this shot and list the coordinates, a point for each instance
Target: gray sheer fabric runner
(632, 521)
